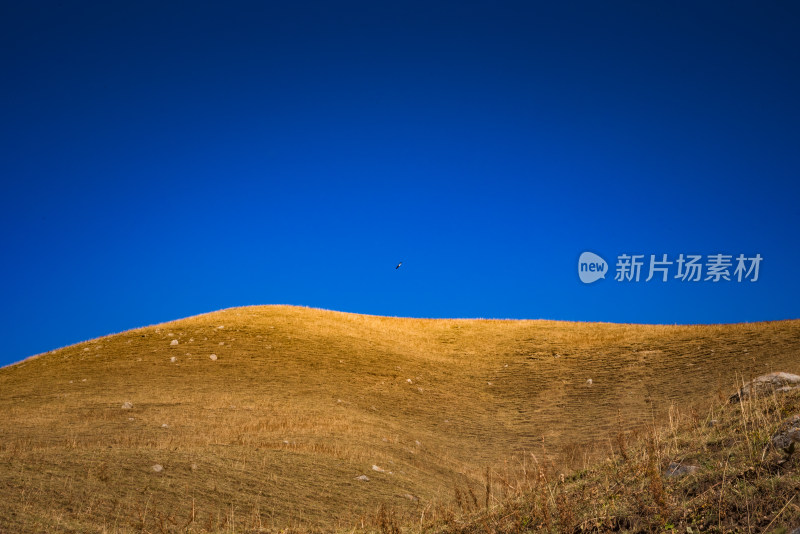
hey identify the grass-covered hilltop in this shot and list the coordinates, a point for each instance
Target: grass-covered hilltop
(271, 418)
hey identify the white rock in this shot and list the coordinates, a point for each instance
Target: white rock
(378, 469)
(766, 384)
(221, 343)
(213, 357)
(589, 382)
(173, 342)
(165, 425)
(409, 381)
(127, 406)
(362, 478)
(173, 359)
(157, 468)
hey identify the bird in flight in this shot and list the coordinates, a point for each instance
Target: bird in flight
(398, 265)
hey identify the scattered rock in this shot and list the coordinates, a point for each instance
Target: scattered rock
(173, 359)
(127, 406)
(165, 425)
(378, 469)
(173, 342)
(488, 383)
(679, 470)
(130, 418)
(213, 357)
(589, 382)
(194, 467)
(157, 468)
(788, 433)
(362, 478)
(409, 381)
(410, 497)
(221, 327)
(417, 443)
(221, 343)
(766, 384)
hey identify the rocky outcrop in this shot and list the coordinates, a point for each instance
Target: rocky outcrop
(788, 434)
(767, 384)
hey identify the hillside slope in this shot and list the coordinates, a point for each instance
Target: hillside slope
(299, 402)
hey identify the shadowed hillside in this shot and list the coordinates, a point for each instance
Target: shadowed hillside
(299, 402)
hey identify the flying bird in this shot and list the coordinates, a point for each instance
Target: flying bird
(398, 265)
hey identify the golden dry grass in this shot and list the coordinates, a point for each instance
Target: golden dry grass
(301, 401)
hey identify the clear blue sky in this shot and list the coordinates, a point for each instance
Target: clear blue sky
(164, 159)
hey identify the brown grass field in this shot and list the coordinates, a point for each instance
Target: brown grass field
(300, 402)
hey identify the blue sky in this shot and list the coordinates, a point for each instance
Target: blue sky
(164, 159)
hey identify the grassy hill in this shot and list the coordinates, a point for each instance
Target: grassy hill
(299, 402)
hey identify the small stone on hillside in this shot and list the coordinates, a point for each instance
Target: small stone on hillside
(221, 343)
(165, 425)
(589, 382)
(173, 342)
(409, 381)
(127, 406)
(410, 497)
(194, 467)
(766, 384)
(173, 359)
(788, 433)
(157, 468)
(378, 469)
(213, 357)
(679, 470)
(362, 478)
(221, 327)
